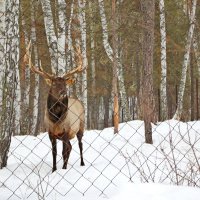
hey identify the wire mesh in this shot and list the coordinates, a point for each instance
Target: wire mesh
(110, 159)
(173, 158)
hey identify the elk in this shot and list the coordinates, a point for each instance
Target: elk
(64, 116)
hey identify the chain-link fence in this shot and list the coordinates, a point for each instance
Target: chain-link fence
(110, 160)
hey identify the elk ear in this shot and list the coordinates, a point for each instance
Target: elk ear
(70, 81)
(48, 81)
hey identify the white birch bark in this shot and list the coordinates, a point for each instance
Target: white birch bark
(92, 46)
(12, 49)
(70, 52)
(106, 44)
(178, 112)
(196, 52)
(56, 43)
(36, 62)
(51, 36)
(62, 24)
(195, 39)
(2, 45)
(82, 19)
(101, 112)
(109, 52)
(163, 85)
(9, 115)
(92, 113)
(25, 88)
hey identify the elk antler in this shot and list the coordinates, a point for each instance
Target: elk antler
(79, 68)
(40, 71)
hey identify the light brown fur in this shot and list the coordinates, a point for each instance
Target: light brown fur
(73, 122)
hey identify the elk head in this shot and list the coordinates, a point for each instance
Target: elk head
(57, 84)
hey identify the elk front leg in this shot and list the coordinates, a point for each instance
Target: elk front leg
(67, 147)
(54, 151)
(79, 136)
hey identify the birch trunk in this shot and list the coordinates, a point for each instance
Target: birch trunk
(181, 91)
(197, 56)
(51, 36)
(70, 53)
(12, 45)
(197, 53)
(115, 80)
(35, 95)
(2, 45)
(10, 77)
(62, 24)
(25, 83)
(163, 85)
(93, 113)
(82, 18)
(56, 43)
(92, 46)
(109, 52)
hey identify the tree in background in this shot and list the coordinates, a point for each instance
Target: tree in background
(9, 76)
(163, 84)
(147, 102)
(115, 73)
(110, 52)
(182, 84)
(82, 19)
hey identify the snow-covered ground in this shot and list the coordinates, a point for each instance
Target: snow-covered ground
(150, 191)
(117, 166)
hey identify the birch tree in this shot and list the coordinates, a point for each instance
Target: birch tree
(194, 83)
(70, 53)
(181, 91)
(196, 52)
(93, 117)
(82, 19)
(115, 82)
(163, 85)
(2, 45)
(197, 56)
(62, 29)
(56, 43)
(109, 52)
(50, 32)
(10, 77)
(35, 93)
(24, 77)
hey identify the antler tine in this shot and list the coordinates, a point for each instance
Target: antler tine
(39, 70)
(79, 68)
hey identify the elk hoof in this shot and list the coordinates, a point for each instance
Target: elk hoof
(82, 164)
(53, 170)
(64, 167)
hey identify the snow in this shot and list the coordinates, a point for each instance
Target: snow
(116, 166)
(157, 192)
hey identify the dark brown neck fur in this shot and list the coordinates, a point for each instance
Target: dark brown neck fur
(57, 108)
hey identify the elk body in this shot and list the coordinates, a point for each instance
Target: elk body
(64, 116)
